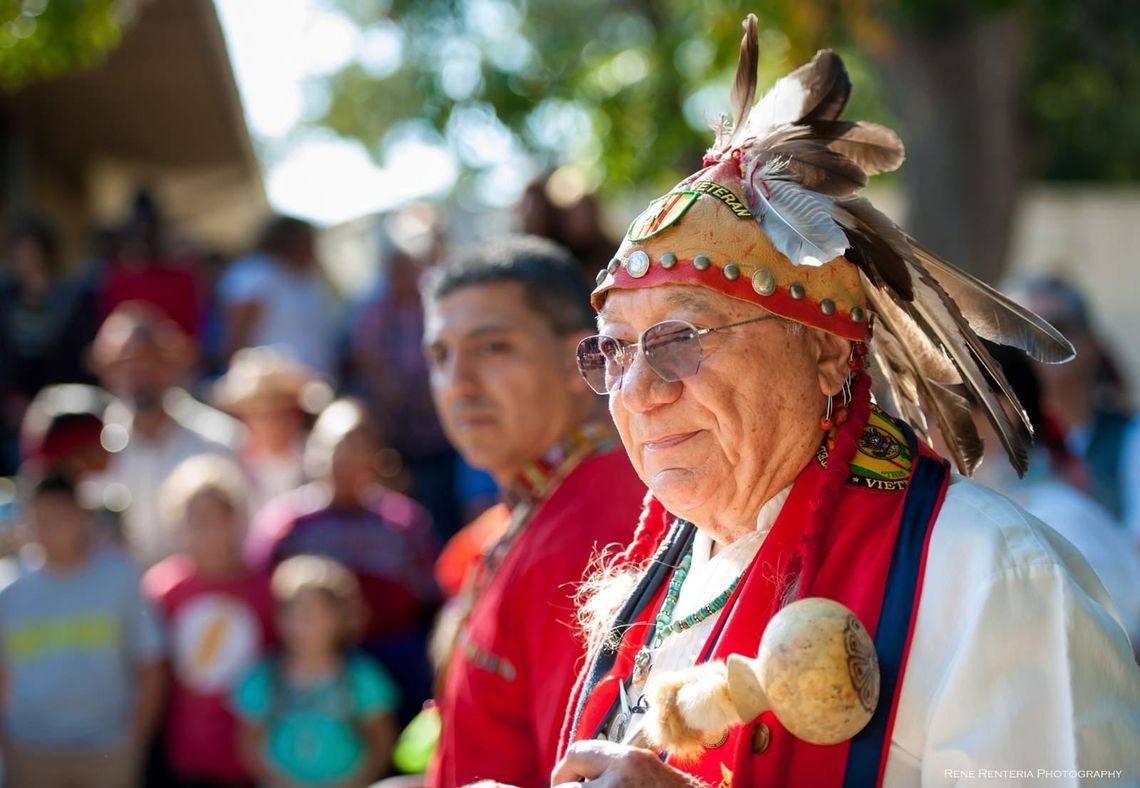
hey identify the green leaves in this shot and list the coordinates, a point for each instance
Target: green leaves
(40, 39)
(625, 91)
(1083, 90)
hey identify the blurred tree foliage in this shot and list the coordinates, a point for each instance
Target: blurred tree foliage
(40, 39)
(1084, 89)
(985, 92)
(629, 88)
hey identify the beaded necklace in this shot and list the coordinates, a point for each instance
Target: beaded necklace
(664, 624)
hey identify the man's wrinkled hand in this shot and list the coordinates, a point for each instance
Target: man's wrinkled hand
(606, 764)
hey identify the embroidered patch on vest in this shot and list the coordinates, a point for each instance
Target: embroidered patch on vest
(884, 460)
(489, 662)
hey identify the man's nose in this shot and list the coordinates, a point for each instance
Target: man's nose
(642, 388)
(458, 376)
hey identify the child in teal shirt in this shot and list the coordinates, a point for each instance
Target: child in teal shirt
(316, 715)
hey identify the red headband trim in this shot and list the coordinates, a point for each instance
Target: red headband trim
(803, 310)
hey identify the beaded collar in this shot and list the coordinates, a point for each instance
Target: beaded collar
(535, 480)
(523, 497)
(541, 477)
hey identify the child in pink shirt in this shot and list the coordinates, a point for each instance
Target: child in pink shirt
(218, 615)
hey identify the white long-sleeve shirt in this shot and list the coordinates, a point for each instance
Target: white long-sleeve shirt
(1019, 674)
(139, 467)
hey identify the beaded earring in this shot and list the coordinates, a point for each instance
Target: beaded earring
(855, 364)
(826, 422)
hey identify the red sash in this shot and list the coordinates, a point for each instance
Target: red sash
(871, 561)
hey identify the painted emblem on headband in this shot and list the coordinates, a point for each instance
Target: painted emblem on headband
(665, 211)
(660, 215)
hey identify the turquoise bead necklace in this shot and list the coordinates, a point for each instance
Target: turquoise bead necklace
(665, 625)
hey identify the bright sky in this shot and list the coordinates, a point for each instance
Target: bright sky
(274, 47)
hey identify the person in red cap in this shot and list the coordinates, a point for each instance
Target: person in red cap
(62, 431)
(501, 327)
(744, 322)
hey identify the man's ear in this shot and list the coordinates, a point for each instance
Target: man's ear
(570, 357)
(832, 354)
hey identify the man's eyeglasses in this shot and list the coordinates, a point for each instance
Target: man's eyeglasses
(672, 349)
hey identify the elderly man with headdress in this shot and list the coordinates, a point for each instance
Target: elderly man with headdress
(743, 323)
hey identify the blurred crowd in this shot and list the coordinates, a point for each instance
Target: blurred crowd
(222, 462)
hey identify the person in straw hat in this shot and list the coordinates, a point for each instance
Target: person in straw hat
(272, 395)
(744, 323)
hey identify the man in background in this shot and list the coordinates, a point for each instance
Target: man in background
(276, 295)
(153, 425)
(502, 325)
(1089, 397)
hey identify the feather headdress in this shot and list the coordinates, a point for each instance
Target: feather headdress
(774, 217)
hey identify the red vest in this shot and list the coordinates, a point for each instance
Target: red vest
(501, 707)
(871, 560)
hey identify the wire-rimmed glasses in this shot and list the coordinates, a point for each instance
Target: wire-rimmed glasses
(672, 349)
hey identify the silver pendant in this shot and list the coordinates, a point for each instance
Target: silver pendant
(618, 729)
(622, 723)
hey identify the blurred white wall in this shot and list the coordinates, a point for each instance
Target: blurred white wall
(1084, 233)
